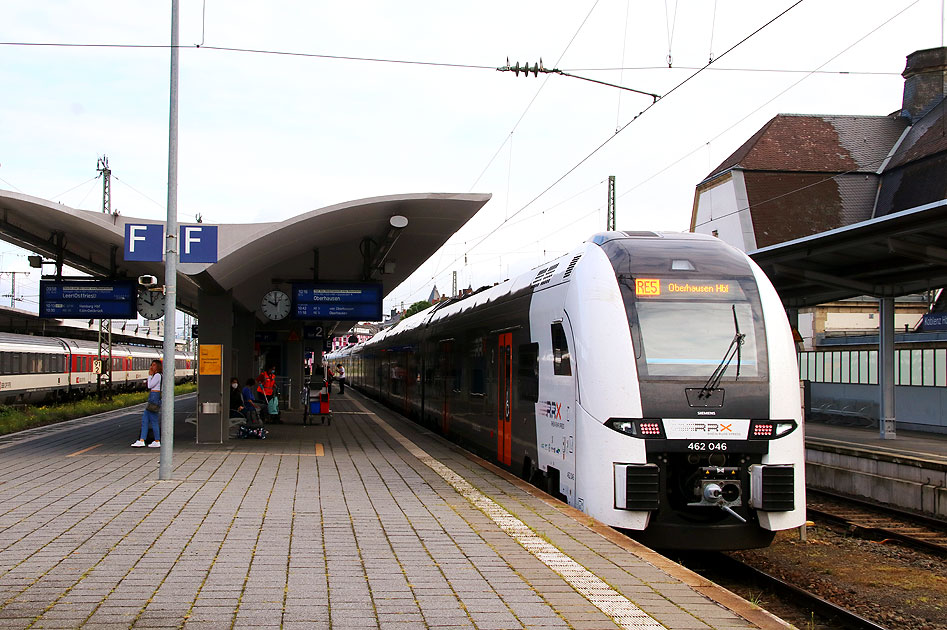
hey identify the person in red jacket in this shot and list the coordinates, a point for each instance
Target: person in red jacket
(266, 386)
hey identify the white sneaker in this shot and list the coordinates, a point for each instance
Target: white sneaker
(138, 444)
(155, 444)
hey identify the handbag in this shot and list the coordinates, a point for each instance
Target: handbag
(155, 407)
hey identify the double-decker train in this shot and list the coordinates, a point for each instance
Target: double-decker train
(647, 379)
(34, 369)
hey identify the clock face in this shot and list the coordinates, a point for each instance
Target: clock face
(275, 305)
(151, 304)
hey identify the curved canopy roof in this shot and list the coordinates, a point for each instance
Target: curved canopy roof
(355, 241)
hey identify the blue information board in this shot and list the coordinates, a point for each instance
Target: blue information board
(337, 301)
(84, 299)
(935, 321)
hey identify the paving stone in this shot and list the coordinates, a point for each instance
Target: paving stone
(262, 534)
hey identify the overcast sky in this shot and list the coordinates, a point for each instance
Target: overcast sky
(269, 136)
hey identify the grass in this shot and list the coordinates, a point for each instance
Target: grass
(20, 417)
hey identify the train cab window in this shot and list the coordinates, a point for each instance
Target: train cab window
(561, 359)
(527, 372)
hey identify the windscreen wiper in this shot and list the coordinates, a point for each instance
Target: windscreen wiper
(734, 349)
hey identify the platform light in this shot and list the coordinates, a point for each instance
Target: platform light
(398, 221)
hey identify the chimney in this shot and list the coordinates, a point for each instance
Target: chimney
(925, 82)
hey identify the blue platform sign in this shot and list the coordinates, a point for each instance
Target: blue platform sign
(337, 301)
(144, 242)
(198, 244)
(84, 299)
(935, 321)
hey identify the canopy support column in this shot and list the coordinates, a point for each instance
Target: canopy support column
(886, 418)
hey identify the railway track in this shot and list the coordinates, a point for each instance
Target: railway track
(879, 523)
(733, 573)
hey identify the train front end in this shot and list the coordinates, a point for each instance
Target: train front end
(703, 436)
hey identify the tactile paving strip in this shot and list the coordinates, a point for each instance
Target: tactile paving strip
(622, 610)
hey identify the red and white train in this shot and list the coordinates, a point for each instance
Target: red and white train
(34, 369)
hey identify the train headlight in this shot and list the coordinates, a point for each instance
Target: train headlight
(770, 429)
(637, 427)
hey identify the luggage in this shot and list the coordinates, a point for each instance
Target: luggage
(251, 432)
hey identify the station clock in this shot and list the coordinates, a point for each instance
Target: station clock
(150, 303)
(275, 305)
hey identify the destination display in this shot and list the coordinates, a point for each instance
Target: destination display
(356, 302)
(83, 299)
(670, 288)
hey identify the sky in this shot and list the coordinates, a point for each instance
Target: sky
(284, 125)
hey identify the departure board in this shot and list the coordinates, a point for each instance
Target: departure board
(85, 299)
(337, 301)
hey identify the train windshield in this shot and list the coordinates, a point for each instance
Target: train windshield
(690, 338)
(692, 306)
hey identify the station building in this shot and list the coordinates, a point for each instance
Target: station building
(804, 175)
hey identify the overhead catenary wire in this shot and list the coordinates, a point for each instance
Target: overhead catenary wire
(625, 126)
(532, 100)
(713, 24)
(258, 51)
(670, 23)
(770, 100)
(124, 183)
(92, 179)
(624, 47)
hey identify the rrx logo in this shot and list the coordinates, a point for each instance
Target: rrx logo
(552, 410)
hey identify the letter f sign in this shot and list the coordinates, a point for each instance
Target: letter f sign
(144, 242)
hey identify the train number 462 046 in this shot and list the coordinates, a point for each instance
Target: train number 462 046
(707, 446)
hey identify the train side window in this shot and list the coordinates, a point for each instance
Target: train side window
(528, 372)
(6, 363)
(562, 361)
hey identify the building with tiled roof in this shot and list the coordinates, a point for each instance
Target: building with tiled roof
(804, 174)
(800, 175)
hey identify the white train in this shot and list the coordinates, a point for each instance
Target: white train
(648, 379)
(33, 369)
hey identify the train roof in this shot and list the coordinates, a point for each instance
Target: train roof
(549, 273)
(30, 343)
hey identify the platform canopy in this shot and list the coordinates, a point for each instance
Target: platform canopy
(890, 256)
(383, 239)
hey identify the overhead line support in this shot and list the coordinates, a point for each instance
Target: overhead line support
(537, 68)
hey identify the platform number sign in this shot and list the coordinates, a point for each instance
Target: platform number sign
(144, 242)
(96, 366)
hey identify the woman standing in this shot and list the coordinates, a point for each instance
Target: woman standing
(150, 416)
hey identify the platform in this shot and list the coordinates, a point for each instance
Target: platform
(908, 472)
(370, 522)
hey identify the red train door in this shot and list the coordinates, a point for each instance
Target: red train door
(505, 399)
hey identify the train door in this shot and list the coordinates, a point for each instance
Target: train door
(505, 398)
(559, 411)
(445, 358)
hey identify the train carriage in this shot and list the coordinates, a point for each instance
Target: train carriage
(647, 379)
(35, 368)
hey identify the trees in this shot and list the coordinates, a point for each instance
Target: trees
(417, 307)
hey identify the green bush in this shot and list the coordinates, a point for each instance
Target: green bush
(18, 418)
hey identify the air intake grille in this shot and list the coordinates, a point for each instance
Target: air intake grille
(641, 488)
(544, 275)
(571, 266)
(778, 489)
